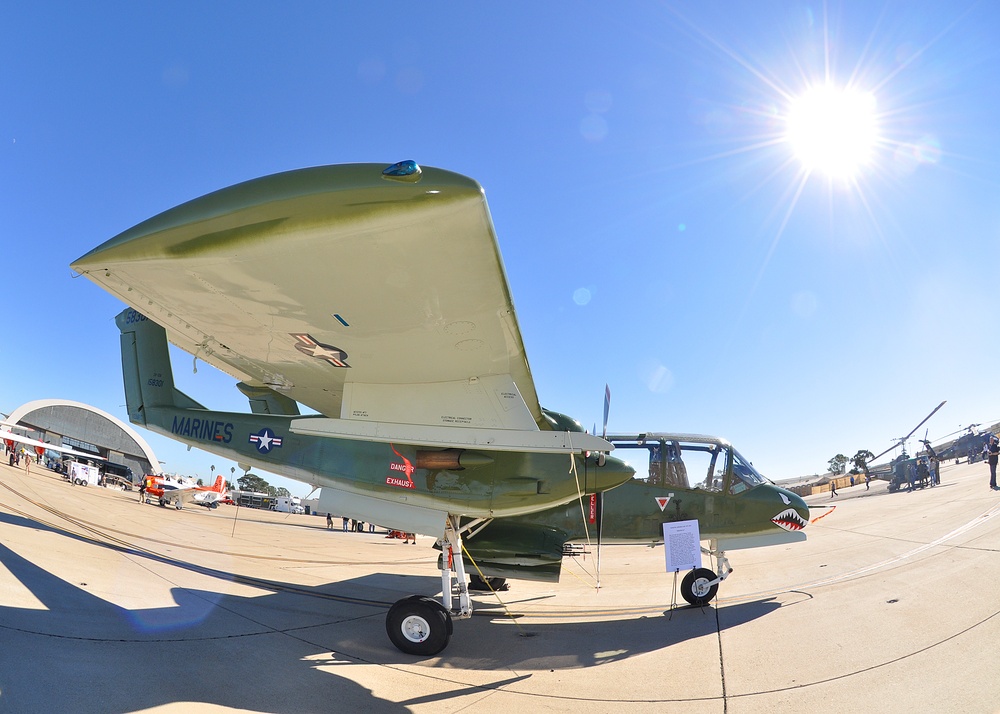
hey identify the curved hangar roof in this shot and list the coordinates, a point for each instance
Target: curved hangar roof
(85, 423)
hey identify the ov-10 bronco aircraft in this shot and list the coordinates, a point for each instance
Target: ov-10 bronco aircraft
(178, 493)
(377, 297)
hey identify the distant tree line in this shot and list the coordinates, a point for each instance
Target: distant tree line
(253, 482)
(838, 464)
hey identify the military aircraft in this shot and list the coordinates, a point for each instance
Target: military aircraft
(968, 446)
(690, 477)
(6, 434)
(897, 470)
(377, 297)
(177, 493)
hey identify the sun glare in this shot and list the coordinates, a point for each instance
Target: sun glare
(833, 130)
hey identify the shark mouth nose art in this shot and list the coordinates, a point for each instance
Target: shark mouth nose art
(789, 520)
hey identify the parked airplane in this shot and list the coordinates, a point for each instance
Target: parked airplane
(11, 438)
(377, 297)
(690, 477)
(177, 493)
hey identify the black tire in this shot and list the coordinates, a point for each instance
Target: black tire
(163, 503)
(694, 589)
(418, 626)
(488, 584)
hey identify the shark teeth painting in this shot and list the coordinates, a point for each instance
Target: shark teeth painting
(789, 520)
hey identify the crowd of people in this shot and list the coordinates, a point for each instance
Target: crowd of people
(351, 525)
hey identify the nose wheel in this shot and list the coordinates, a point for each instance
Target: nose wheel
(699, 586)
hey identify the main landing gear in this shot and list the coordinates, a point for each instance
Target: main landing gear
(420, 625)
(700, 585)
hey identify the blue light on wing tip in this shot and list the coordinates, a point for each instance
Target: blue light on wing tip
(401, 169)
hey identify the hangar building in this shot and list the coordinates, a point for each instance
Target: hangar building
(86, 428)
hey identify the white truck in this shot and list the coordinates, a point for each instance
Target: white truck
(288, 504)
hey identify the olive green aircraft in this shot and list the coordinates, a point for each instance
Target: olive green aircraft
(376, 297)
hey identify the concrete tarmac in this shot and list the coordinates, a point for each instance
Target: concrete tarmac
(106, 605)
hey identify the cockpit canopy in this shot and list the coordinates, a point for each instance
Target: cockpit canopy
(688, 461)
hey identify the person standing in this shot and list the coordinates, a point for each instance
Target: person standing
(329, 522)
(993, 453)
(345, 524)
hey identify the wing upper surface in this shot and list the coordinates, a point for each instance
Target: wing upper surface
(335, 278)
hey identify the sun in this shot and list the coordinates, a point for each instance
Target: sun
(833, 130)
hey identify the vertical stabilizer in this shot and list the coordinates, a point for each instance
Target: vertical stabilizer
(149, 379)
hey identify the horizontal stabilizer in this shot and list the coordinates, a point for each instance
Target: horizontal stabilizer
(563, 442)
(264, 400)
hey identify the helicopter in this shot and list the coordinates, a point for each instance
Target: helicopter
(898, 468)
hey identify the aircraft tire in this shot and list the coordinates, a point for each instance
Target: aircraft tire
(419, 625)
(694, 589)
(162, 503)
(487, 584)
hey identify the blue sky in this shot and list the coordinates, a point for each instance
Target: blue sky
(658, 230)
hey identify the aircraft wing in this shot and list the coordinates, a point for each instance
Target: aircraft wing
(7, 435)
(362, 295)
(190, 495)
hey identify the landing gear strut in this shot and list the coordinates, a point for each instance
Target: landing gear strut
(421, 625)
(700, 585)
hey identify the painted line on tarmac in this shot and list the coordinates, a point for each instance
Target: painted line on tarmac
(868, 569)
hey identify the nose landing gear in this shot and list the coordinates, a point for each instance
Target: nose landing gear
(701, 584)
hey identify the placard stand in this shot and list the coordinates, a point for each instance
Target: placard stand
(682, 550)
(673, 597)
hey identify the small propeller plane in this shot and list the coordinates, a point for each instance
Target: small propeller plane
(375, 296)
(6, 434)
(177, 492)
(690, 477)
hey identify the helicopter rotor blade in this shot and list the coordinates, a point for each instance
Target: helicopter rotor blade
(878, 456)
(902, 441)
(925, 419)
(964, 428)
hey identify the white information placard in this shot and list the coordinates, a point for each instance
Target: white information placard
(682, 545)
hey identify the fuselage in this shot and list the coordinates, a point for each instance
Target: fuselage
(493, 484)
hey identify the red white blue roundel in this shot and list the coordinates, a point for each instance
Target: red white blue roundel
(265, 440)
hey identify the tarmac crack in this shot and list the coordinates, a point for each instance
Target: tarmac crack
(722, 661)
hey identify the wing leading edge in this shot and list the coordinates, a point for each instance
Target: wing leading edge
(363, 296)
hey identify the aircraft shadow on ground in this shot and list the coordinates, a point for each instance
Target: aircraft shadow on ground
(83, 653)
(586, 644)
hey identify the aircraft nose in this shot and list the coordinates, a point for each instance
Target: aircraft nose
(613, 473)
(794, 515)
